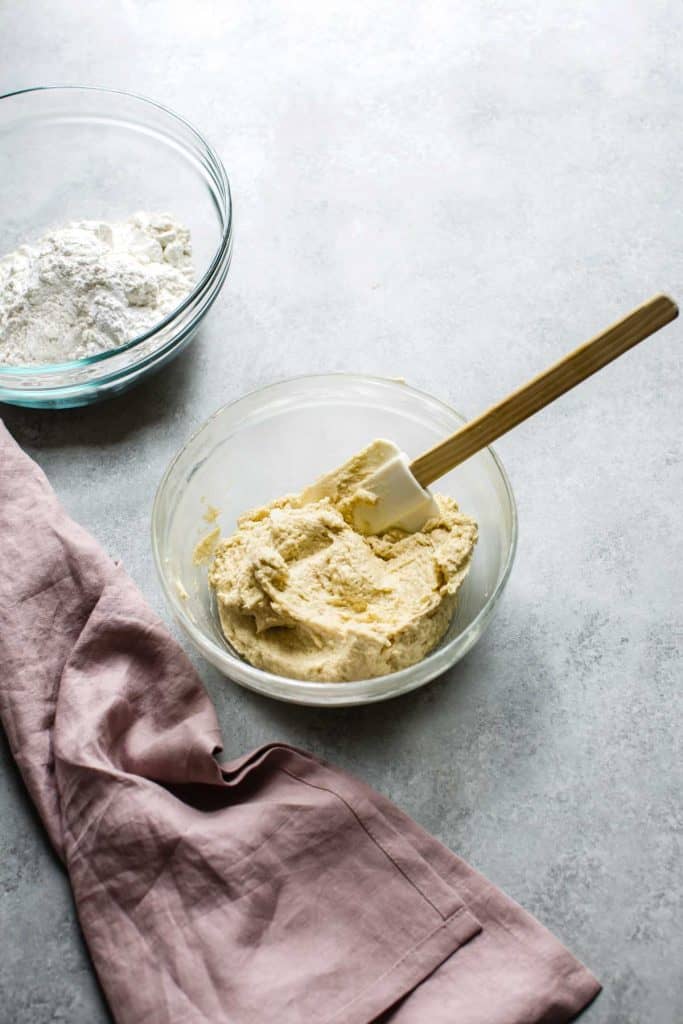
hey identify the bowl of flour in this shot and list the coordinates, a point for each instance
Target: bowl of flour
(116, 240)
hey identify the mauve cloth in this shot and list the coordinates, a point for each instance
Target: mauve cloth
(271, 888)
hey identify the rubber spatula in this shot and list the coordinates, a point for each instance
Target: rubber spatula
(396, 494)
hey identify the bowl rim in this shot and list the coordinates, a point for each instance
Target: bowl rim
(28, 370)
(330, 694)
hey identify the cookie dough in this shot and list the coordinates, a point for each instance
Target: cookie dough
(302, 594)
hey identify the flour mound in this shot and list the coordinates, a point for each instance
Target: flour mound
(91, 286)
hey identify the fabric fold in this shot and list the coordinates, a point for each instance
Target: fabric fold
(273, 887)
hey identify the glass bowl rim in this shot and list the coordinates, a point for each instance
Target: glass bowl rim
(28, 370)
(357, 691)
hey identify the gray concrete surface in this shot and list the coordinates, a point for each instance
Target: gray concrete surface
(454, 193)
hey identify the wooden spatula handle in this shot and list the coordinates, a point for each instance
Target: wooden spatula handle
(545, 388)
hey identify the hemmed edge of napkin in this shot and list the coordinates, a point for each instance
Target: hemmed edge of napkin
(435, 872)
(574, 986)
(412, 968)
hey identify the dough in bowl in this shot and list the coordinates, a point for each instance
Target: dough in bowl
(302, 594)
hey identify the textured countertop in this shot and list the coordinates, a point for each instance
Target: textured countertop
(455, 194)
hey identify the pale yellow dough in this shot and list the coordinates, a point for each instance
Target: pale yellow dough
(302, 594)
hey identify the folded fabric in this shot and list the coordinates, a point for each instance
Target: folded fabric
(270, 888)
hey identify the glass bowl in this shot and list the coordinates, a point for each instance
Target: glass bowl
(70, 153)
(281, 438)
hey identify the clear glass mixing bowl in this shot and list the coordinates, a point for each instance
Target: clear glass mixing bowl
(71, 153)
(282, 437)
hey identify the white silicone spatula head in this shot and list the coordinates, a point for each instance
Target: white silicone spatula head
(391, 496)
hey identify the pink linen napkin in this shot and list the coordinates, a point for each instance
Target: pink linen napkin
(270, 888)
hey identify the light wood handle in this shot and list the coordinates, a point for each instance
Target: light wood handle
(545, 388)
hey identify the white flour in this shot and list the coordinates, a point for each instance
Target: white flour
(91, 286)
